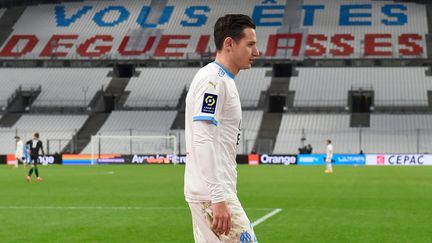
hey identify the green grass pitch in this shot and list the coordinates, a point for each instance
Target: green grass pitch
(137, 203)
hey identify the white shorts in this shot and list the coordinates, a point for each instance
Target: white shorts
(202, 217)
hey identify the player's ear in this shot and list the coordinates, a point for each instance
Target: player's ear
(228, 43)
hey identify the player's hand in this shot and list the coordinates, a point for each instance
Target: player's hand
(221, 218)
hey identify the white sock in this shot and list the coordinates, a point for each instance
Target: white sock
(330, 167)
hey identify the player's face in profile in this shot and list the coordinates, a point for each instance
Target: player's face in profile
(245, 51)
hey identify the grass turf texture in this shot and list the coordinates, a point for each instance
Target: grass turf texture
(137, 203)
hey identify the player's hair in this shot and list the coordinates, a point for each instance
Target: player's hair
(328, 141)
(231, 25)
(36, 135)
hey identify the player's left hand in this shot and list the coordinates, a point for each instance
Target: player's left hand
(221, 218)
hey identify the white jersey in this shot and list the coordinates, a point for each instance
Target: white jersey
(213, 117)
(329, 151)
(19, 153)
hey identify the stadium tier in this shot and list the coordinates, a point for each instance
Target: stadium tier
(250, 85)
(162, 87)
(387, 132)
(135, 123)
(250, 125)
(158, 87)
(82, 84)
(2, 10)
(398, 133)
(182, 29)
(392, 86)
(55, 131)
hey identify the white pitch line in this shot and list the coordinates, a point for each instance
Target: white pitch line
(109, 208)
(265, 217)
(93, 207)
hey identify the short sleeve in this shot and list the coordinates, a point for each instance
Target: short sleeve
(209, 100)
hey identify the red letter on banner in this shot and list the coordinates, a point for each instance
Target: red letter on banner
(371, 43)
(318, 49)
(164, 44)
(53, 43)
(7, 51)
(122, 48)
(413, 48)
(100, 50)
(273, 44)
(338, 40)
(202, 44)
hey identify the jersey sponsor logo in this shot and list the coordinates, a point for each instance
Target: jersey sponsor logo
(209, 103)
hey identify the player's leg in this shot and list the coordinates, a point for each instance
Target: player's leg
(32, 162)
(329, 168)
(17, 162)
(201, 223)
(38, 178)
(242, 230)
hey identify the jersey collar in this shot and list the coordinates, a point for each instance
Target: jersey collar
(225, 70)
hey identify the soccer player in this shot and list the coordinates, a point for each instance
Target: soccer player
(213, 118)
(34, 145)
(19, 151)
(329, 157)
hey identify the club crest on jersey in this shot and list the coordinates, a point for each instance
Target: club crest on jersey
(209, 103)
(221, 72)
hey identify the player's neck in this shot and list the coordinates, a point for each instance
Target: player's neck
(227, 64)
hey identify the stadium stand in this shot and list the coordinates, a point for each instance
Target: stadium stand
(158, 87)
(162, 87)
(250, 84)
(316, 128)
(392, 86)
(251, 121)
(82, 24)
(138, 123)
(82, 84)
(94, 31)
(56, 131)
(392, 133)
(2, 10)
(325, 22)
(398, 133)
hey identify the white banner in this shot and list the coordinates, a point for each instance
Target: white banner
(399, 159)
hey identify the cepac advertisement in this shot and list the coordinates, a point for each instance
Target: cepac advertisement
(338, 159)
(399, 159)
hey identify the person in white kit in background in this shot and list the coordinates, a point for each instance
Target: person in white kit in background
(213, 118)
(19, 151)
(329, 157)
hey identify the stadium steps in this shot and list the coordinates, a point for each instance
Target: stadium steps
(179, 121)
(117, 88)
(83, 136)
(8, 20)
(18, 103)
(279, 86)
(9, 119)
(268, 132)
(360, 120)
(430, 99)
